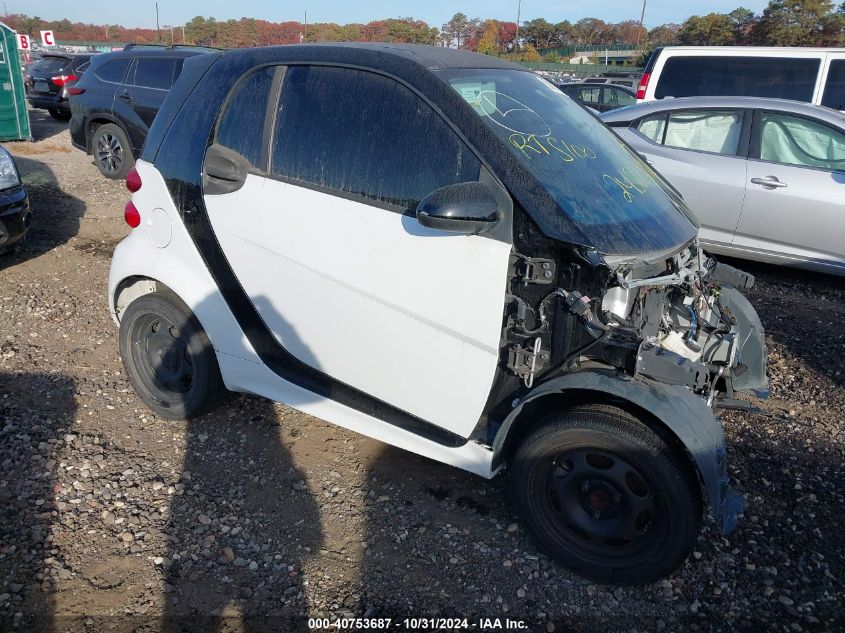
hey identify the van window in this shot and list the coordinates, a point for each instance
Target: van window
(834, 91)
(774, 77)
(151, 72)
(797, 141)
(114, 70)
(365, 135)
(241, 127)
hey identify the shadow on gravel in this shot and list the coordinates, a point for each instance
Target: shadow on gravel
(239, 533)
(55, 214)
(36, 413)
(43, 126)
(803, 312)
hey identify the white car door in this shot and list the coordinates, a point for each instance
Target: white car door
(795, 206)
(323, 238)
(696, 151)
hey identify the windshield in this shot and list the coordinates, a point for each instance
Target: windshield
(615, 199)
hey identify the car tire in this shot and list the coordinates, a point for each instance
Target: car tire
(606, 496)
(59, 115)
(112, 151)
(168, 357)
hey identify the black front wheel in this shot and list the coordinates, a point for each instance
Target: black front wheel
(112, 153)
(168, 357)
(606, 496)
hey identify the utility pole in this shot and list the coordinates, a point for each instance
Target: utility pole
(518, 14)
(158, 28)
(640, 30)
(306, 27)
(5, 10)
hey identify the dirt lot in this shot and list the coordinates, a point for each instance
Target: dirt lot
(256, 515)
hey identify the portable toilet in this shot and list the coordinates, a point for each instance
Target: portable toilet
(14, 118)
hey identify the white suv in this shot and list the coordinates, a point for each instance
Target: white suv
(442, 251)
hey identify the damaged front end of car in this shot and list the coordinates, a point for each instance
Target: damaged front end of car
(673, 337)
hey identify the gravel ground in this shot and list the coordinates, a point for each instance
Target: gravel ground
(256, 515)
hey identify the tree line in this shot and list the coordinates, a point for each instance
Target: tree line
(782, 23)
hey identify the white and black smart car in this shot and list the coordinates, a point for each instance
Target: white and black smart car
(440, 250)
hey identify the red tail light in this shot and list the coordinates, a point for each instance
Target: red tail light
(131, 215)
(61, 80)
(73, 90)
(643, 85)
(133, 180)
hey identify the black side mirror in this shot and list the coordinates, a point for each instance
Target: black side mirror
(467, 207)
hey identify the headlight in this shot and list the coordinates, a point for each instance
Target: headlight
(8, 171)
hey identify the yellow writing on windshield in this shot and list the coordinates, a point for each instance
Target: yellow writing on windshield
(533, 146)
(627, 183)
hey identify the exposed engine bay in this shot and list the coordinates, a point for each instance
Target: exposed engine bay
(681, 321)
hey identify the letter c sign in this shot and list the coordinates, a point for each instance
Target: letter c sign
(47, 38)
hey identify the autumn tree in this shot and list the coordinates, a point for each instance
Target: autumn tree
(743, 21)
(713, 29)
(530, 54)
(590, 31)
(664, 35)
(799, 23)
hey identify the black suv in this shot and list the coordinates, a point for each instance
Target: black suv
(49, 79)
(114, 105)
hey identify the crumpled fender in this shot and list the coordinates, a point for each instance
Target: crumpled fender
(683, 413)
(751, 341)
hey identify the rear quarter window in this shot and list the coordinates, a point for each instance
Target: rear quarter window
(113, 71)
(154, 72)
(774, 77)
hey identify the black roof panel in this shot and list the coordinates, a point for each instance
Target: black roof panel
(430, 57)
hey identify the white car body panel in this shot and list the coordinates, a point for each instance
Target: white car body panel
(415, 312)
(180, 267)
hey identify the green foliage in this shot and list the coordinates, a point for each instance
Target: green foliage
(800, 23)
(782, 23)
(530, 54)
(713, 29)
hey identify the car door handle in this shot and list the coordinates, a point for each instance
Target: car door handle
(768, 181)
(125, 96)
(224, 170)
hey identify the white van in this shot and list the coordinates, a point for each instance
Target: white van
(814, 75)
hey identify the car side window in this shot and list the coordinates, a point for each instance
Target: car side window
(364, 135)
(716, 131)
(793, 140)
(653, 127)
(834, 91)
(154, 72)
(589, 95)
(113, 71)
(617, 98)
(241, 127)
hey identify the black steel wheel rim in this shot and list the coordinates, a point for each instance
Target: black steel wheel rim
(162, 358)
(602, 505)
(109, 152)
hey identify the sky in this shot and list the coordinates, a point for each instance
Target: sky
(434, 12)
